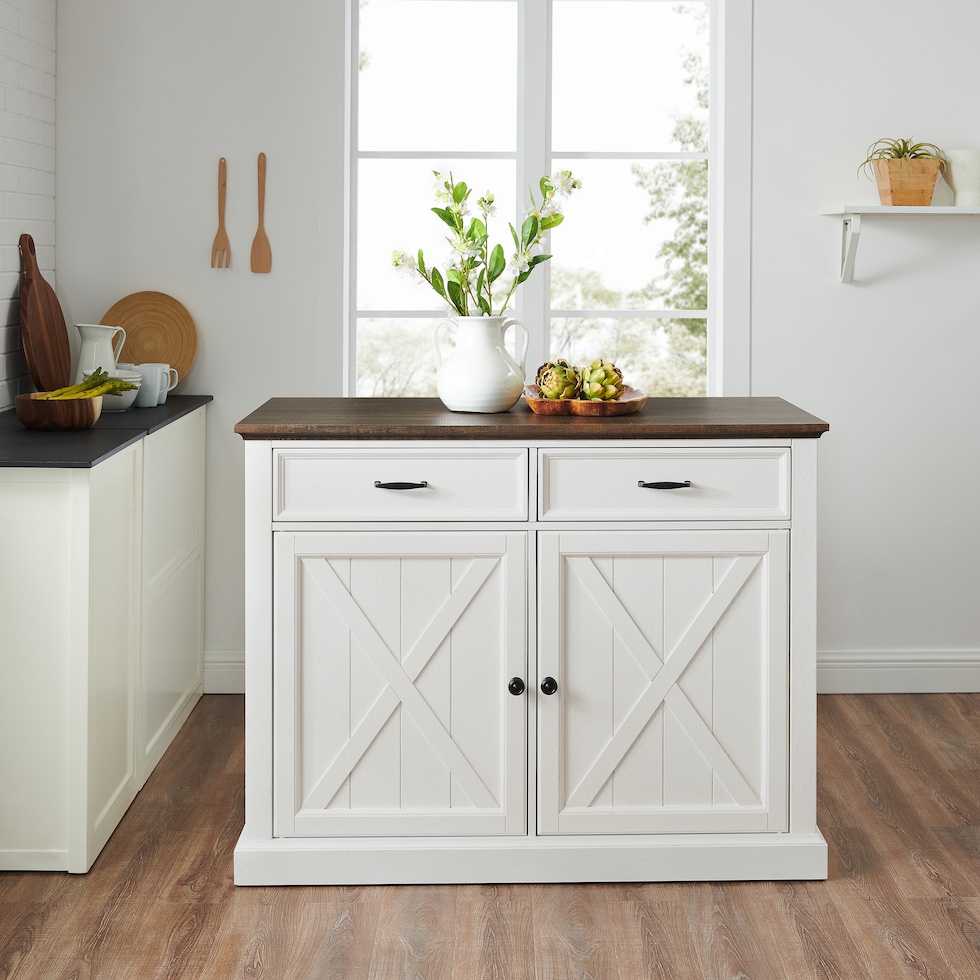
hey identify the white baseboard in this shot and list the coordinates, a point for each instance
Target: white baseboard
(838, 671)
(898, 671)
(224, 672)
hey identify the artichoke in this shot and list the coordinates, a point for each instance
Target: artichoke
(602, 381)
(558, 379)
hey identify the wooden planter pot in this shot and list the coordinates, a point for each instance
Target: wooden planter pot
(906, 182)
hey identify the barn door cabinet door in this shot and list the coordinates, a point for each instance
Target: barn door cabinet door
(394, 651)
(669, 651)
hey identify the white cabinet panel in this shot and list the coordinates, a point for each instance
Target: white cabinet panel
(608, 484)
(172, 632)
(340, 484)
(670, 653)
(393, 714)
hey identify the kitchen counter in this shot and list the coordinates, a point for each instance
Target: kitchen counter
(102, 606)
(428, 418)
(114, 431)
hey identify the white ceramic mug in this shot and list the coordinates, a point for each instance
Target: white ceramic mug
(154, 380)
(170, 379)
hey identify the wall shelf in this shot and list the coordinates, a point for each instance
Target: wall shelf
(851, 215)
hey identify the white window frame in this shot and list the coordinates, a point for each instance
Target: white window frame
(729, 188)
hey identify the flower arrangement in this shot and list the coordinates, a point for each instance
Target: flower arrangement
(473, 268)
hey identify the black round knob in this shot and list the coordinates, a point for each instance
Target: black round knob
(516, 686)
(549, 685)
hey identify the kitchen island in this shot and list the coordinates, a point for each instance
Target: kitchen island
(519, 647)
(102, 619)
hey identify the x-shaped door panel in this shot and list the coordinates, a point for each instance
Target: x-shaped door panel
(400, 679)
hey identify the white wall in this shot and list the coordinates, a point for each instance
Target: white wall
(150, 95)
(27, 161)
(891, 359)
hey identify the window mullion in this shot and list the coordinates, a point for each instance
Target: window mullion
(534, 156)
(350, 205)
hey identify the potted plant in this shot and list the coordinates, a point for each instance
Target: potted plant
(480, 375)
(905, 172)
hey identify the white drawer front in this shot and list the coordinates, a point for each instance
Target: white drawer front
(604, 484)
(340, 484)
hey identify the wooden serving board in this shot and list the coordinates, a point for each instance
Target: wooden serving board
(42, 326)
(158, 328)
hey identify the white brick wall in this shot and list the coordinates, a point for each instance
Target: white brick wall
(27, 154)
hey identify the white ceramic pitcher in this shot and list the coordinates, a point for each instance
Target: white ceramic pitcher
(96, 350)
(480, 375)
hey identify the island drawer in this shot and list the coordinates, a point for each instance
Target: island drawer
(400, 484)
(681, 484)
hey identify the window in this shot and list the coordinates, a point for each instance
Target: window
(500, 92)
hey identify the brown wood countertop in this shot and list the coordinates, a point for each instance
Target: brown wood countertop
(428, 418)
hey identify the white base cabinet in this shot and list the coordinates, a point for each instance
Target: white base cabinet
(101, 612)
(610, 676)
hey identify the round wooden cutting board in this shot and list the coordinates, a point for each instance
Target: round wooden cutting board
(158, 328)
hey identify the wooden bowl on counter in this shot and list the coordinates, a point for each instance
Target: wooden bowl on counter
(61, 414)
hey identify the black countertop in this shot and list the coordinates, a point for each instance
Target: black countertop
(114, 431)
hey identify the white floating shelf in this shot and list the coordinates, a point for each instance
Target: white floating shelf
(851, 215)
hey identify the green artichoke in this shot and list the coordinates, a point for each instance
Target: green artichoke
(558, 379)
(602, 381)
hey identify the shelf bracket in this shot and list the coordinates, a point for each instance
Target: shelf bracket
(850, 235)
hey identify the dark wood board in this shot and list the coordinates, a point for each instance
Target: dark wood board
(428, 418)
(42, 326)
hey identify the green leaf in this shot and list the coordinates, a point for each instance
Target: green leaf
(484, 305)
(437, 283)
(497, 262)
(477, 231)
(545, 186)
(529, 230)
(447, 216)
(456, 297)
(537, 260)
(551, 221)
(459, 192)
(513, 231)
(421, 263)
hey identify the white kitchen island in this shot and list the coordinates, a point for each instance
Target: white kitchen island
(512, 647)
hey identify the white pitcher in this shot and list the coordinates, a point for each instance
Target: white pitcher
(96, 350)
(480, 375)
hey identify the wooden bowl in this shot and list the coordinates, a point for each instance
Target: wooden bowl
(67, 413)
(632, 400)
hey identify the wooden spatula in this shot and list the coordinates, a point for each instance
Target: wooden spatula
(261, 249)
(221, 249)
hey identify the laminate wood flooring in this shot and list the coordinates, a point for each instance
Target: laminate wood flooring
(899, 804)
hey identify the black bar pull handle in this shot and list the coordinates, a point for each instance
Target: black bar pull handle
(664, 485)
(400, 486)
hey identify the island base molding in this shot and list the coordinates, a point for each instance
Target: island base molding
(459, 861)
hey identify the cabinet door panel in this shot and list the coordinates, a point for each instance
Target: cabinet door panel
(393, 655)
(670, 651)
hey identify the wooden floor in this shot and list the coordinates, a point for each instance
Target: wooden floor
(899, 796)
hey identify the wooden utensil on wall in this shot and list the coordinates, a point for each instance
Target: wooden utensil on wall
(221, 249)
(42, 326)
(261, 249)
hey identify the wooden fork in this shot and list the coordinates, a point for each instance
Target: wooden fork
(221, 249)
